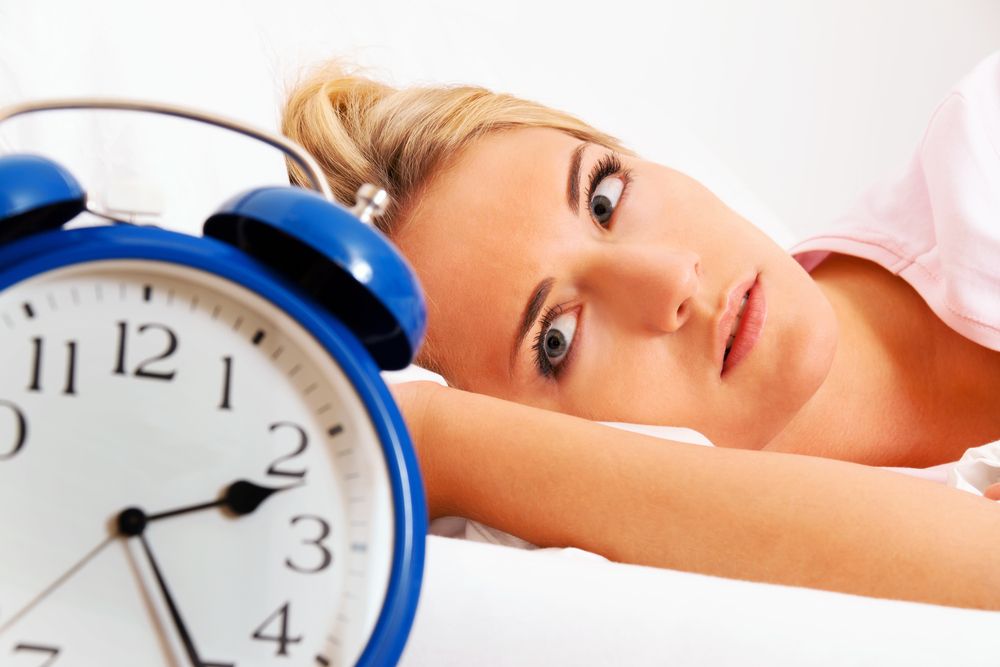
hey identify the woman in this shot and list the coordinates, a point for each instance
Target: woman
(568, 278)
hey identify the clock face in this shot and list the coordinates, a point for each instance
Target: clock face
(186, 477)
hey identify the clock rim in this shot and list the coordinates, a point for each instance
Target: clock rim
(26, 258)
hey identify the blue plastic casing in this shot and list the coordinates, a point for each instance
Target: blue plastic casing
(36, 194)
(347, 266)
(44, 251)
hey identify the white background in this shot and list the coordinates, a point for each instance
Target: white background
(807, 102)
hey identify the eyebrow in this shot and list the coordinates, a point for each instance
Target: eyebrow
(541, 291)
(531, 310)
(573, 179)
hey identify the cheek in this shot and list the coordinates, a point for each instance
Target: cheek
(633, 379)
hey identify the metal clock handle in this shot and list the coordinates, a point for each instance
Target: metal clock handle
(371, 203)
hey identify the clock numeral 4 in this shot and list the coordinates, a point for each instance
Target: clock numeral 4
(52, 652)
(38, 346)
(325, 556)
(282, 639)
(20, 432)
(143, 370)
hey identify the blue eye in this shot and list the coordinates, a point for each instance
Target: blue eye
(557, 338)
(605, 198)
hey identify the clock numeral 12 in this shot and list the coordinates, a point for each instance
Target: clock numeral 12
(38, 344)
(282, 639)
(142, 370)
(21, 430)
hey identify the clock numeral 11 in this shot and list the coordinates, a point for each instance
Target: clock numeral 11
(38, 346)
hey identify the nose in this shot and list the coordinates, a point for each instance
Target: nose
(652, 286)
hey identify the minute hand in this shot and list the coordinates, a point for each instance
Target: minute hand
(175, 613)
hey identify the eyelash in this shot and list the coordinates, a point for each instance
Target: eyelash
(544, 367)
(609, 165)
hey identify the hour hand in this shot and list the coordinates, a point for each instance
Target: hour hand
(240, 498)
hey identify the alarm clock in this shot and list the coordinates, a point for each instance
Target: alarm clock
(199, 463)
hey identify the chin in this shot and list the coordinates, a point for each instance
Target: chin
(808, 359)
(802, 346)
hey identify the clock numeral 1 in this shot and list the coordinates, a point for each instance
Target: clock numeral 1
(227, 378)
(38, 344)
(52, 651)
(142, 370)
(20, 430)
(282, 639)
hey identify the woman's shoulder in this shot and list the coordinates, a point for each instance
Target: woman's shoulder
(935, 223)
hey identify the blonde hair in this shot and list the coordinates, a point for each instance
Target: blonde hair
(363, 131)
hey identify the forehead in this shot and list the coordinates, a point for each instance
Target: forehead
(485, 231)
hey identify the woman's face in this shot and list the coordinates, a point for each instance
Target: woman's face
(561, 275)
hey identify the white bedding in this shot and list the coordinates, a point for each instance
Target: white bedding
(484, 604)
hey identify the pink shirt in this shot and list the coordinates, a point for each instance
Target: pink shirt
(938, 224)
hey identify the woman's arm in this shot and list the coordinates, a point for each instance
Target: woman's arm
(556, 480)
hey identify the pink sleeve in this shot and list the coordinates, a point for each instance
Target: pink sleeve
(938, 224)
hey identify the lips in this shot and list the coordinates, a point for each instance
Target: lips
(745, 320)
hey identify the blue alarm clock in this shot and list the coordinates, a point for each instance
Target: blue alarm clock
(199, 462)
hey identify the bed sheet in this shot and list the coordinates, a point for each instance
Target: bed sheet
(485, 604)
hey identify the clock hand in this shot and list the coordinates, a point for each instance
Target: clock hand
(51, 588)
(240, 498)
(175, 613)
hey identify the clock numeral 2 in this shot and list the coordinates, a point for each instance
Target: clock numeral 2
(20, 430)
(38, 345)
(303, 443)
(143, 370)
(51, 650)
(324, 532)
(282, 639)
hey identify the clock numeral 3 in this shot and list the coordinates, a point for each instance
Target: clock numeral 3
(303, 443)
(324, 532)
(283, 640)
(52, 651)
(142, 370)
(38, 344)
(20, 431)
